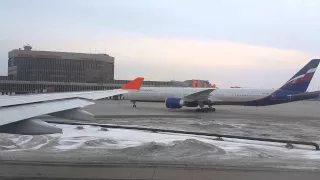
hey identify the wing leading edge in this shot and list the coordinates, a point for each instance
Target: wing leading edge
(17, 108)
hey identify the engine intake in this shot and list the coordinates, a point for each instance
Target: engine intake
(174, 103)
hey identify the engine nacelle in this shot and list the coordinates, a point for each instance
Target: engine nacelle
(191, 104)
(174, 103)
(30, 127)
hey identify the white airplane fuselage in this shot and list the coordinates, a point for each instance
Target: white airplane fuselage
(176, 97)
(159, 94)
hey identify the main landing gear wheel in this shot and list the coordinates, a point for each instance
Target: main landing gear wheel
(205, 109)
(134, 104)
(212, 109)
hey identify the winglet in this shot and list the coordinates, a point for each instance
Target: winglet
(133, 85)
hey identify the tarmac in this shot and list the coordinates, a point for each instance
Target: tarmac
(156, 156)
(144, 172)
(294, 121)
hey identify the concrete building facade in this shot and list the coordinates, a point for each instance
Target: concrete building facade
(32, 71)
(28, 65)
(8, 86)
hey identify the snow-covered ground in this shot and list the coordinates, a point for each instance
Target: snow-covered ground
(92, 144)
(91, 137)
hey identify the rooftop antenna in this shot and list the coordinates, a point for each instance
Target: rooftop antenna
(27, 47)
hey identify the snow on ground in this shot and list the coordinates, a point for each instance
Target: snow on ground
(93, 137)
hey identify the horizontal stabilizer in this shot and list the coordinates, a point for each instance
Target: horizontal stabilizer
(305, 96)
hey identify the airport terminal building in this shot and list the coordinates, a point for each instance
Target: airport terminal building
(28, 65)
(31, 71)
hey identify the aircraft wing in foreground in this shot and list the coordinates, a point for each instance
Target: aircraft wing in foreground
(18, 113)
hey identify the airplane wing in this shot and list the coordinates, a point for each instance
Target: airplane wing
(198, 96)
(18, 112)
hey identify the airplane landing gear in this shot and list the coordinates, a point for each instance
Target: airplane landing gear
(212, 109)
(202, 109)
(134, 104)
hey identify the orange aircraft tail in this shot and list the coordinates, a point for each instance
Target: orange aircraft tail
(133, 85)
(193, 83)
(199, 84)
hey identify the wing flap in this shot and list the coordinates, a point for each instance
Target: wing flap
(30, 127)
(199, 96)
(20, 112)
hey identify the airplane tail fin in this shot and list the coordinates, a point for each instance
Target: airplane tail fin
(301, 80)
(133, 85)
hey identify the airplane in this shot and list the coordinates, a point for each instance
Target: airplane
(177, 97)
(19, 113)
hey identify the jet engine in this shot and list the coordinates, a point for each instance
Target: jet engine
(174, 103)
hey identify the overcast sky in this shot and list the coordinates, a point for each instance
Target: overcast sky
(246, 43)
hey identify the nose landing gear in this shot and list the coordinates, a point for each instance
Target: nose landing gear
(134, 104)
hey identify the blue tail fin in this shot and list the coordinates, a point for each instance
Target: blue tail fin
(300, 81)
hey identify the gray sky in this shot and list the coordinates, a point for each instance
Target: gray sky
(247, 43)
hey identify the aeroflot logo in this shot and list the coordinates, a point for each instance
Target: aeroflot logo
(304, 77)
